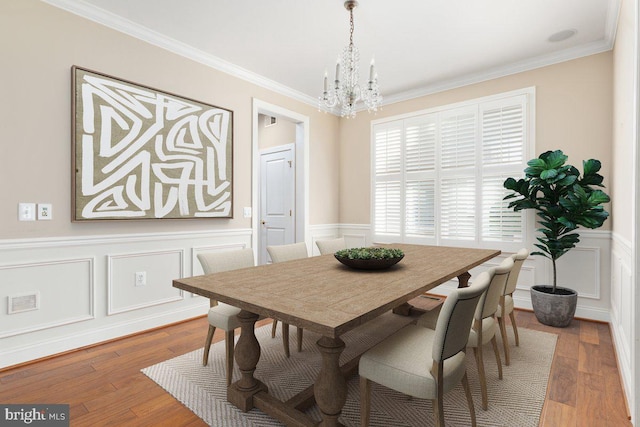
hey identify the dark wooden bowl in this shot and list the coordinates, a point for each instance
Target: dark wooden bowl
(369, 264)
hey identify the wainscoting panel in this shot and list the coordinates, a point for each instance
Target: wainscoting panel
(46, 294)
(138, 280)
(623, 311)
(86, 287)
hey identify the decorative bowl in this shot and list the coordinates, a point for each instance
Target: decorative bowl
(369, 258)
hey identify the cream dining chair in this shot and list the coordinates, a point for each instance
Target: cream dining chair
(331, 246)
(423, 362)
(224, 316)
(283, 253)
(485, 327)
(505, 306)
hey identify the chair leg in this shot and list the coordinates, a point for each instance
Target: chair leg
(207, 345)
(299, 331)
(436, 414)
(512, 316)
(505, 343)
(467, 392)
(494, 343)
(285, 338)
(481, 375)
(365, 401)
(228, 346)
(273, 328)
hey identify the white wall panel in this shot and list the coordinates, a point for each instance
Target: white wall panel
(64, 287)
(125, 295)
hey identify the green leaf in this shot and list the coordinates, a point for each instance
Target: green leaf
(591, 166)
(555, 159)
(597, 197)
(548, 174)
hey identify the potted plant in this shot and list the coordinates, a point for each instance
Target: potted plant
(563, 201)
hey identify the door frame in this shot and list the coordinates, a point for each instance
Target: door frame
(301, 170)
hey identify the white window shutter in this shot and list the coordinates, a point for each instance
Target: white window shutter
(503, 132)
(499, 222)
(387, 210)
(458, 138)
(387, 194)
(420, 208)
(438, 176)
(457, 208)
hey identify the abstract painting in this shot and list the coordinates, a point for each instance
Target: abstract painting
(140, 153)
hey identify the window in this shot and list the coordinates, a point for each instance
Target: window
(438, 174)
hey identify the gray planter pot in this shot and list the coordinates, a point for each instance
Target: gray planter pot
(554, 309)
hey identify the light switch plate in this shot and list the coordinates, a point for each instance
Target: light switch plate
(44, 211)
(246, 212)
(26, 211)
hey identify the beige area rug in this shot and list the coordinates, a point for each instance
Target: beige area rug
(514, 401)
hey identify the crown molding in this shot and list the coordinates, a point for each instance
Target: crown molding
(118, 23)
(123, 25)
(497, 72)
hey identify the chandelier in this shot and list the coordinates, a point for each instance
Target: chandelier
(346, 90)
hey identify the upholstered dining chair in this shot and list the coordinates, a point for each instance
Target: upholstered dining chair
(284, 253)
(423, 362)
(224, 316)
(485, 326)
(330, 246)
(505, 306)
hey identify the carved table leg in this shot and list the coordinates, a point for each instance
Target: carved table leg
(463, 279)
(247, 354)
(330, 388)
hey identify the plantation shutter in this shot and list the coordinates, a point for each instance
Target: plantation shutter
(438, 175)
(502, 143)
(388, 180)
(420, 165)
(458, 174)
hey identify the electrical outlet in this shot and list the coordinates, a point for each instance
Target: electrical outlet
(44, 211)
(141, 278)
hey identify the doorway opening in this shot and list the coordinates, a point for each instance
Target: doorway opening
(299, 166)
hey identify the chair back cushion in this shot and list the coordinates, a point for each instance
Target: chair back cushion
(217, 262)
(284, 253)
(489, 302)
(331, 246)
(454, 321)
(518, 260)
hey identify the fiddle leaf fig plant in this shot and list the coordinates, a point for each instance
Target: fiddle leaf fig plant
(563, 201)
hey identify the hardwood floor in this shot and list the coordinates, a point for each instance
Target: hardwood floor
(104, 386)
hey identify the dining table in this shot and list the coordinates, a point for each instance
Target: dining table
(322, 295)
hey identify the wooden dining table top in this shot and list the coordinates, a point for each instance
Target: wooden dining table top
(322, 295)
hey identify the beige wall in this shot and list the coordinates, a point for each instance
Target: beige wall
(623, 123)
(281, 133)
(573, 113)
(40, 43)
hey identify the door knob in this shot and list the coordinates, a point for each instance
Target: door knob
(263, 222)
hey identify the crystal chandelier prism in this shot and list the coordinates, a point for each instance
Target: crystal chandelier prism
(346, 91)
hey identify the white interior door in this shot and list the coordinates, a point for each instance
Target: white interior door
(277, 199)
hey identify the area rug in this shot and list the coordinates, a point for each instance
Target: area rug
(514, 401)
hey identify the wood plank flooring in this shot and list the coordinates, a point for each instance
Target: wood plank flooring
(104, 386)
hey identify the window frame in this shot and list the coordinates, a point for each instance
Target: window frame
(528, 217)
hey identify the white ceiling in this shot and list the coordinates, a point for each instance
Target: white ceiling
(420, 46)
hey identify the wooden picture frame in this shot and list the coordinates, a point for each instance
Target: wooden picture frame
(141, 153)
